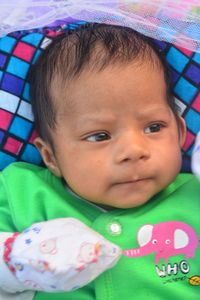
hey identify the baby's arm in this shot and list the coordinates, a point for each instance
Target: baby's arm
(10, 287)
(55, 256)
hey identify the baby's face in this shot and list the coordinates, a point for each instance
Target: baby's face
(117, 141)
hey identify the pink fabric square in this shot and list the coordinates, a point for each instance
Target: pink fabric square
(13, 145)
(189, 140)
(5, 119)
(185, 51)
(33, 136)
(24, 51)
(196, 103)
(52, 33)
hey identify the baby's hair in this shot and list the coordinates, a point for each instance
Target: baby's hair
(90, 47)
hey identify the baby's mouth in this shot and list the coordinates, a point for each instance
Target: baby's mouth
(131, 182)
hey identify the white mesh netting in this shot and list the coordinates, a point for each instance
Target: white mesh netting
(174, 21)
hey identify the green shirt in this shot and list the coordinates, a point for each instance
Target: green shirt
(30, 194)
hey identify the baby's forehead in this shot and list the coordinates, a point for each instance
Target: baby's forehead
(94, 66)
(106, 84)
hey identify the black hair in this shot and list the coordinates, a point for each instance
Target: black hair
(93, 46)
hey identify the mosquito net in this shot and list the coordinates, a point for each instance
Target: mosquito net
(174, 21)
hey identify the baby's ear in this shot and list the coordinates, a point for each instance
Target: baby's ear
(182, 130)
(48, 156)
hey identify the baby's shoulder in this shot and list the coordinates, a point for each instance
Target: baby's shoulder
(24, 174)
(188, 184)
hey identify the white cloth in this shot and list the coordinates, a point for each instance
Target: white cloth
(196, 157)
(61, 255)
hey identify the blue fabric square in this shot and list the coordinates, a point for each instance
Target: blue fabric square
(16, 34)
(162, 45)
(18, 67)
(175, 76)
(31, 154)
(26, 93)
(196, 57)
(33, 38)
(191, 118)
(7, 43)
(75, 24)
(1, 135)
(193, 73)
(5, 160)
(37, 54)
(2, 60)
(21, 128)
(186, 165)
(182, 86)
(12, 84)
(1, 74)
(177, 59)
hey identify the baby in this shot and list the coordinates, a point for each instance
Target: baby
(111, 138)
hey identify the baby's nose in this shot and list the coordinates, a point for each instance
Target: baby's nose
(132, 147)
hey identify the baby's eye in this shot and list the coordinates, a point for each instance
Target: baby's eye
(98, 137)
(153, 128)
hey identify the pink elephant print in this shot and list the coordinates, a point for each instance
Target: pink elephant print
(165, 239)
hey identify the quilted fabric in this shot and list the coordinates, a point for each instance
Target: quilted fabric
(21, 49)
(185, 66)
(18, 51)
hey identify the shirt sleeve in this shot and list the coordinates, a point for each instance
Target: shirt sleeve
(6, 220)
(10, 287)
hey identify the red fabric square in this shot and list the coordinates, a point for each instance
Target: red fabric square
(189, 140)
(33, 136)
(196, 103)
(13, 145)
(5, 119)
(185, 51)
(24, 51)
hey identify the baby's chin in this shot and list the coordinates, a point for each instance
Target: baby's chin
(122, 204)
(121, 198)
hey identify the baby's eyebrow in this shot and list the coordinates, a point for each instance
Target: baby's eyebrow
(155, 111)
